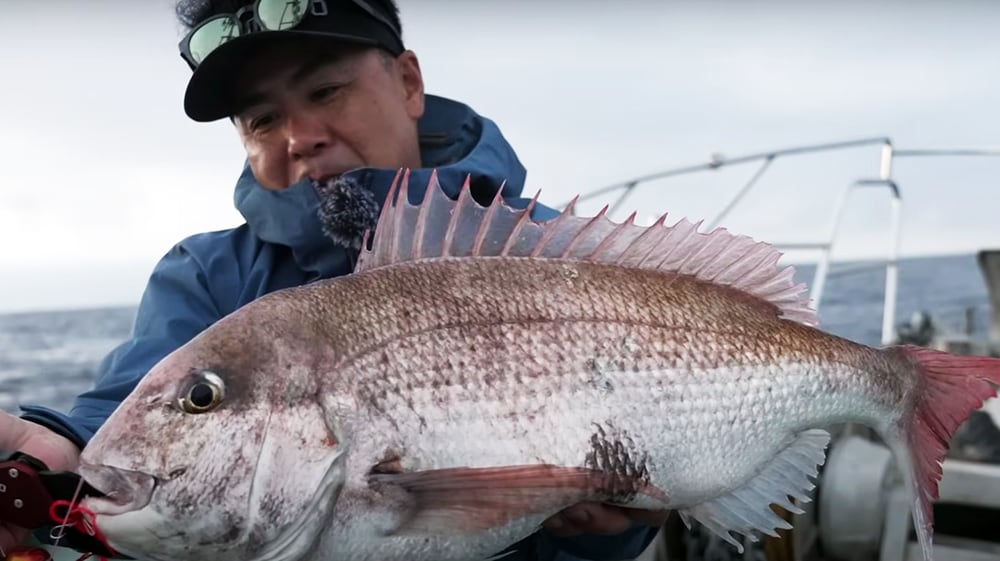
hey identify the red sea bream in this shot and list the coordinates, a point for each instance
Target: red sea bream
(480, 371)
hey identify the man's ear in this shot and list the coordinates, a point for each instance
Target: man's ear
(412, 80)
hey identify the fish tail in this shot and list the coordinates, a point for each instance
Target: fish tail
(949, 389)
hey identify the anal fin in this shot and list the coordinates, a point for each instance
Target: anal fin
(747, 509)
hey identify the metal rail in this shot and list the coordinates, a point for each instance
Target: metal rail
(884, 180)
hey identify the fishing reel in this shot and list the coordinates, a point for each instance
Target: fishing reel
(37, 499)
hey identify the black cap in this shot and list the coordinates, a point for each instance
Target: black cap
(208, 95)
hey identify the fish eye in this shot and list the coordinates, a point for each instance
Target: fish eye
(202, 394)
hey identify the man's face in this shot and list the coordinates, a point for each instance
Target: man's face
(303, 113)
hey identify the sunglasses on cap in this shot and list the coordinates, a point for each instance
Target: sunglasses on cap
(262, 15)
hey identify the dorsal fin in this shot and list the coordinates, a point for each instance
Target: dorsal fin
(441, 227)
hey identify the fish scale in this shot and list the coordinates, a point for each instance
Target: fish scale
(521, 331)
(480, 372)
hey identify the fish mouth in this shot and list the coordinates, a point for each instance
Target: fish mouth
(124, 490)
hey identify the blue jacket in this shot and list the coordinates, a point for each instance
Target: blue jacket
(281, 245)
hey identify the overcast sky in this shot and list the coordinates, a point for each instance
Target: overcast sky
(101, 172)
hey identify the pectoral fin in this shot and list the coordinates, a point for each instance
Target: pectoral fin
(475, 499)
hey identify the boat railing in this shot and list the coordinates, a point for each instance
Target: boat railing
(883, 179)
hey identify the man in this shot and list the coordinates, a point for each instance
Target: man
(329, 104)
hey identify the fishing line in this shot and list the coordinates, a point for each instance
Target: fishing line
(79, 518)
(53, 513)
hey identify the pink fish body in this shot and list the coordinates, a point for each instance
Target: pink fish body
(480, 372)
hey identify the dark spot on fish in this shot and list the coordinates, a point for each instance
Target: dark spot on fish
(234, 529)
(599, 378)
(623, 469)
(233, 526)
(270, 511)
(393, 463)
(374, 395)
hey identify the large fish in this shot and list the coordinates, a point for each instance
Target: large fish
(480, 371)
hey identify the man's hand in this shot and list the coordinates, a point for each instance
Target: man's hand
(601, 519)
(56, 451)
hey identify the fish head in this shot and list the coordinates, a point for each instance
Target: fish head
(222, 451)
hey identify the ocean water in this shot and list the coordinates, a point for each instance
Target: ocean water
(48, 358)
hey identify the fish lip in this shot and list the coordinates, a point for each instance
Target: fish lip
(124, 490)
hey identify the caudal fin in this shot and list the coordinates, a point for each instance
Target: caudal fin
(951, 388)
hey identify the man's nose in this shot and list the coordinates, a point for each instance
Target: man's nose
(306, 137)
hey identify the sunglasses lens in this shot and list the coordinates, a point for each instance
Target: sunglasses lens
(275, 15)
(212, 34)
